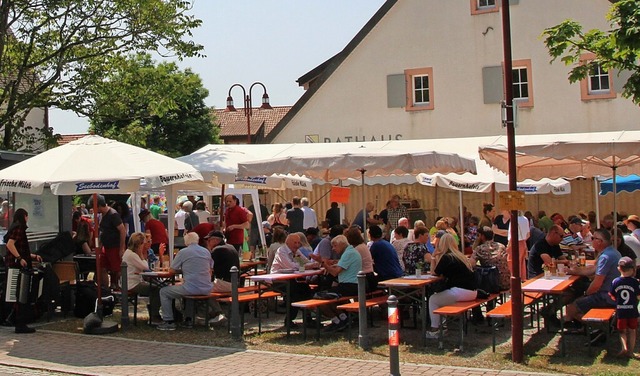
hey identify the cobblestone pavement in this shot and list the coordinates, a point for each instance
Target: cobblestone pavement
(48, 352)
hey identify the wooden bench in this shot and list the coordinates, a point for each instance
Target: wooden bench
(459, 309)
(315, 304)
(192, 301)
(248, 298)
(504, 311)
(354, 308)
(598, 316)
(308, 304)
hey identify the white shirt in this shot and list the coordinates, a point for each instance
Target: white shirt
(134, 265)
(284, 260)
(523, 228)
(180, 217)
(203, 216)
(310, 218)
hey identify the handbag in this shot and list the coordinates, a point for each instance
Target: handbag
(487, 279)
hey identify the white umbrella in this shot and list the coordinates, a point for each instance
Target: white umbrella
(352, 160)
(95, 164)
(362, 161)
(595, 154)
(219, 165)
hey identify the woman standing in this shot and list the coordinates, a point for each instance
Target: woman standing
(135, 257)
(460, 285)
(489, 213)
(501, 227)
(19, 256)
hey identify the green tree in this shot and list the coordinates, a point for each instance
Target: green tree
(52, 51)
(615, 49)
(157, 107)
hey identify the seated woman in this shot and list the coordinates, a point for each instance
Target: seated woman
(355, 239)
(279, 237)
(305, 247)
(460, 285)
(82, 235)
(135, 257)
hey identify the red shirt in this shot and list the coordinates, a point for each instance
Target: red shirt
(235, 216)
(157, 230)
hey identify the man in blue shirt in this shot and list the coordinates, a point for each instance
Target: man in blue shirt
(605, 271)
(195, 264)
(385, 259)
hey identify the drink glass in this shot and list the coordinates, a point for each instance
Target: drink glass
(561, 270)
(418, 273)
(547, 274)
(301, 268)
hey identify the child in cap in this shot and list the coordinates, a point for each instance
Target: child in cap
(625, 291)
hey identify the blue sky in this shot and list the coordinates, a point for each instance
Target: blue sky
(271, 41)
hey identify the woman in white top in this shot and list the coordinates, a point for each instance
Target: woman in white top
(135, 257)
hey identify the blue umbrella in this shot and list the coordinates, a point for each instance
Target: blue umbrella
(623, 183)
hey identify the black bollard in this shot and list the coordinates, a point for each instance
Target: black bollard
(124, 296)
(363, 338)
(235, 306)
(394, 336)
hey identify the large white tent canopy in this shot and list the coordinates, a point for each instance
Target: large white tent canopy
(218, 164)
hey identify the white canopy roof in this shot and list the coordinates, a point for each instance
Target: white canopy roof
(329, 161)
(219, 165)
(95, 164)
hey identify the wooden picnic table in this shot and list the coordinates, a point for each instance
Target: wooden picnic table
(553, 286)
(282, 282)
(415, 289)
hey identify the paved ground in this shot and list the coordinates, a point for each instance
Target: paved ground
(47, 352)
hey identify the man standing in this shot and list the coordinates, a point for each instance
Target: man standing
(310, 219)
(363, 215)
(236, 221)
(385, 259)
(394, 213)
(604, 272)
(112, 237)
(180, 218)
(295, 216)
(224, 257)
(195, 264)
(156, 229)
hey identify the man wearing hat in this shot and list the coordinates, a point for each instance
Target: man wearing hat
(633, 224)
(572, 239)
(156, 229)
(224, 257)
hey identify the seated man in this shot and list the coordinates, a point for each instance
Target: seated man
(385, 259)
(195, 264)
(224, 258)
(544, 251)
(286, 258)
(605, 271)
(572, 239)
(346, 270)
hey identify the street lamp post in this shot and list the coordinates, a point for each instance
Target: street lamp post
(247, 103)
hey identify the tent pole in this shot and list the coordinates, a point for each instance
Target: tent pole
(461, 221)
(615, 209)
(98, 254)
(364, 205)
(597, 200)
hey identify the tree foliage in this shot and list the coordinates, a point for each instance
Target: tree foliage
(157, 107)
(615, 49)
(52, 51)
